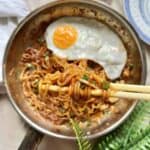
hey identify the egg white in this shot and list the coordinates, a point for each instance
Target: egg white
(95, 41)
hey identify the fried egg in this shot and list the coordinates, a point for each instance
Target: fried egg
(81, 38)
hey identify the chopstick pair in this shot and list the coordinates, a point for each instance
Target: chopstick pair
(129, 91)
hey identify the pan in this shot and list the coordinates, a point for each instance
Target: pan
(32, 27)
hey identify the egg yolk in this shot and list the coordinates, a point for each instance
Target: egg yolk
(65, 36)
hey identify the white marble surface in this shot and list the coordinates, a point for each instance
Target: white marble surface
(12, 128)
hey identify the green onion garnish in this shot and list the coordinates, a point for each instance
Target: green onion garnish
(40, 40)
(85, 77)
(131, 66)
(105, 85)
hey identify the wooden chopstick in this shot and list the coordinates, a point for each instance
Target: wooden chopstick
(130, 91)
(120, 94)
(88, 83)
(123, 87)
(131, 95)
(130, 87)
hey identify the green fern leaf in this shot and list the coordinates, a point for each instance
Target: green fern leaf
(143, 143)
(83, 143)
(133, 133)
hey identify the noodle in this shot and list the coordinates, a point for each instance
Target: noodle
(41, 68)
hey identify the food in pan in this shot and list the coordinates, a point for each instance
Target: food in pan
(81, 38)
(73, 50)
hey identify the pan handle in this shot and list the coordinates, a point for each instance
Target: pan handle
(31, 140)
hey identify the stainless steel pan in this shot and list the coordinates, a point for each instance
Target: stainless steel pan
(34, 25)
